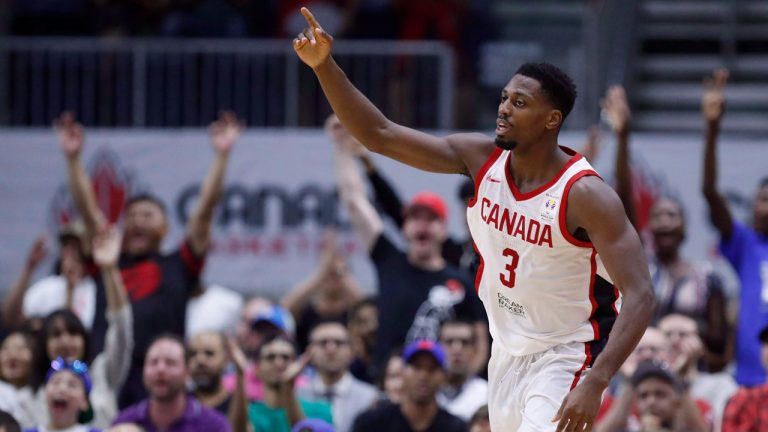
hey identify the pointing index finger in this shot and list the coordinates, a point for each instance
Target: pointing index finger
(313, 24)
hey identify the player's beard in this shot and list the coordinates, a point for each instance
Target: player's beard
(505, 144)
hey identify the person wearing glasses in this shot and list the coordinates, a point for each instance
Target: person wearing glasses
(281, 408)
(331, 354)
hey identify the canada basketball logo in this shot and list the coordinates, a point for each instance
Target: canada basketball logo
(112, 183)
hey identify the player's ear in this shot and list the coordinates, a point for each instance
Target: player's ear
(554, 119)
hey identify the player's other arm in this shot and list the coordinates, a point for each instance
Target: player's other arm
(362, 214)
(712, 109)
(366, 123)
(224, 132)
(594, 207)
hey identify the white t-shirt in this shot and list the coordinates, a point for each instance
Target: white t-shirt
(473, 395)
(50, 293)
(217, 309)
(8, 401)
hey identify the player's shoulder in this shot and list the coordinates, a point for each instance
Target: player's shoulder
(474, 148)
(590, 196)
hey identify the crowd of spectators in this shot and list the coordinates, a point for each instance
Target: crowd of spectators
(121, 337)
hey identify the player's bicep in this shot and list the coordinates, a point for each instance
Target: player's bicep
(420, 150)
(597, 209)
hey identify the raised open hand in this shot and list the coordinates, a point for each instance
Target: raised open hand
(616, 109)
(313, 45)
(225, 131)
(713, 100)
(70, 134)
(106, 247)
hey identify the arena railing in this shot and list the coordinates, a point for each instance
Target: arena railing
(184, 83)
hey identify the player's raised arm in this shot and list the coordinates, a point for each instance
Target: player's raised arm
(367, 123)
(594, 207)
(712, 109)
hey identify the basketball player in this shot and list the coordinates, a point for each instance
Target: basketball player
(555, 243)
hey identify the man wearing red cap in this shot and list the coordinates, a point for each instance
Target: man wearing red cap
(555, 243)
(416, 285)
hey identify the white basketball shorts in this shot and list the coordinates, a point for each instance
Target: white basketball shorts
(525, 392)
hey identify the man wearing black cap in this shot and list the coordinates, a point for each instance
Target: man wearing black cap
(747, 411)
(423, 376)
(416, 285)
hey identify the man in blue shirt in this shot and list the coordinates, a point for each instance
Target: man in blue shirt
(745, 247)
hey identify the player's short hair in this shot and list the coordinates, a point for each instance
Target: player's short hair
(555, 84)
(147, 197)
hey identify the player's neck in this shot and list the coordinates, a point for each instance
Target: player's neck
(531, 165)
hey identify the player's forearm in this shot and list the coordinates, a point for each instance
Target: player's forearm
(199, 225)
(85, 200)
(363, 120)
(637, 309)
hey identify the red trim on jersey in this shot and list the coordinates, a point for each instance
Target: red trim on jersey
(480, 268)
(483, 170)
(592, 298)
(564, 205)
(587, 361)
(520, 196)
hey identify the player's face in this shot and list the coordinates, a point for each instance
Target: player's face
(667, 225)
(422, 378)
(459, 343)
(330, 349)
(145, 227)
(207, 359)
(165, 371)
(424, 231)
(524, 113)
(658, 398)
(760, 213)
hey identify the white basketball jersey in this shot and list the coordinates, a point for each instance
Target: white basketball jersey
(540, 286)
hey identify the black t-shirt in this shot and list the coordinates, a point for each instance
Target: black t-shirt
(414, 302)
(387, 417)
(158, 287)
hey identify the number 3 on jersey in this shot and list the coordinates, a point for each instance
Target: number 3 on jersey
(508, 279)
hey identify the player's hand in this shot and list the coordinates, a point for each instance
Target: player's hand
(225, 131)
(36, 253)
(615, 110)
(313, 45)
(106, 247)
(70, 134)
(713, 101)
(579, 409)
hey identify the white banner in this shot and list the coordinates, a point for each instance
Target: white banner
(279, 194)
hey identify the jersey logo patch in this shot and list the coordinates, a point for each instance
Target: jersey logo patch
(549, 209)
(511, 306)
